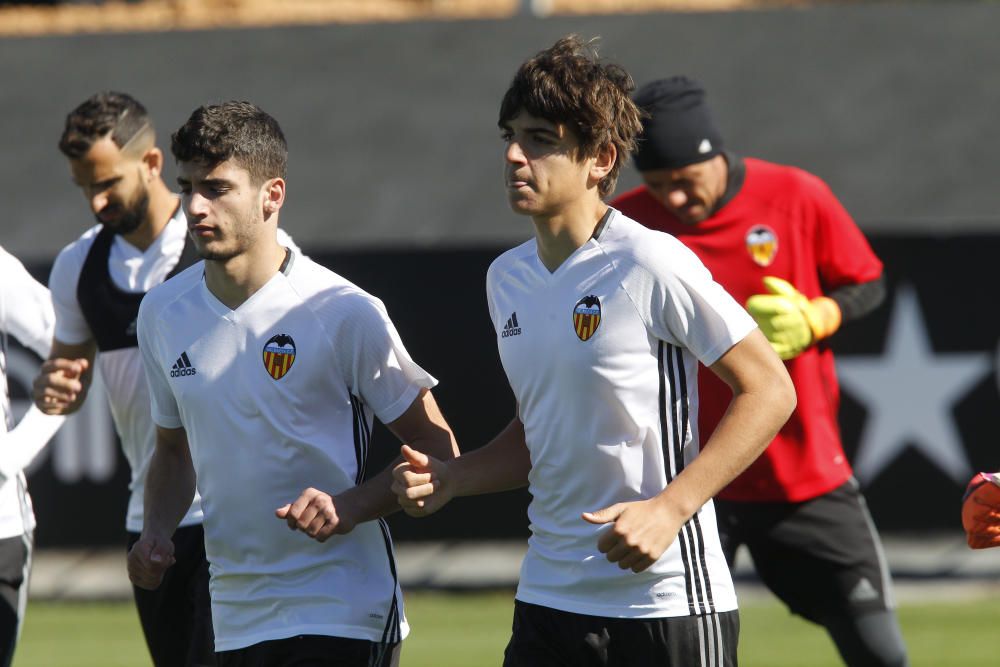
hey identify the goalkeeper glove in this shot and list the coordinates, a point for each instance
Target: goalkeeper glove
(789, 320)
(981, 511)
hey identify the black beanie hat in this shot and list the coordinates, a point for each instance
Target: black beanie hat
(679, 130)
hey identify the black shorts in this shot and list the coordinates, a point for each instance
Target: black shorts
(546, 637)
(177, 617)
(312, 651)
(821, 557)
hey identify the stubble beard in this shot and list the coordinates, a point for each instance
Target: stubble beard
(133, 216)
(242, 240)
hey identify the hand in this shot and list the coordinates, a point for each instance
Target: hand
(981, 511)
(59, 388)
(789, 320)
(642, 531)
(421, 483)
(148, 560)
(316, 514)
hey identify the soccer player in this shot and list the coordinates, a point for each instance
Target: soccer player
(97, 283)
(600, 324)
(26, 313)
(779, 241)
(265, 370)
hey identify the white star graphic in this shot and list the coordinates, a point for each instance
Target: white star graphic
(909, 392)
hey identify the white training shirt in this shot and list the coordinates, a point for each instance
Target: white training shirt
(602, 356)
(136, 271)
(25, 313)
(257, 442)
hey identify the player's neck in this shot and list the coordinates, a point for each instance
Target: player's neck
(162, 207)
(559, 235)
(232, 281)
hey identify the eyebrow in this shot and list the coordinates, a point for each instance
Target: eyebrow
(210, 182)
(109, 181)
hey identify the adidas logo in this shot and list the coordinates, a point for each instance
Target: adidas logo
(705, 147)
(863, 592)
(182, 367)
(512, 328)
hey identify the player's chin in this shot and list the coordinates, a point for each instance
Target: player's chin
(212, 251)
(520, 204)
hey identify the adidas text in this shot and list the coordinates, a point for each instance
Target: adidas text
(178, 372)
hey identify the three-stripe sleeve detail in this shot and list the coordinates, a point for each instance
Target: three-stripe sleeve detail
(674, 428)
(391, 634)
(362, 437)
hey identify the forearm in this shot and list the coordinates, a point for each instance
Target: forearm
(749, 425)
(763, 399)
(422, 427)
(26, 441)
(856, 301)
(500, 465)
(170, 487)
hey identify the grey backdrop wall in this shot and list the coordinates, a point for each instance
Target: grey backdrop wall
(392, 126)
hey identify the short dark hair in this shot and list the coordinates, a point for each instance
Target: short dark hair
(117, 114)
(238, 131)
(568, 84)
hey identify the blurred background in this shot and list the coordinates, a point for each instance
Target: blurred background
(390, 109)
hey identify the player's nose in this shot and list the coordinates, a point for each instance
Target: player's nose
(98, 202)
(677, 198)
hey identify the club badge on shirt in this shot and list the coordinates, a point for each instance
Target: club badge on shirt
(586, 317)
(762, 244)
(279, 355)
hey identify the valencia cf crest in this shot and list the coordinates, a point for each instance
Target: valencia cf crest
(279, 355)
(762, 244)
(586, 317)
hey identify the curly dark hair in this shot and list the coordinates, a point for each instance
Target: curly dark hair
(238, 131)
(117, 114)
(568, 84)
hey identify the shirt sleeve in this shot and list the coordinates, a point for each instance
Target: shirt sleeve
(844, 256)
(71, 326)
(163, 405)
(687, 307)
(25, 305)
(376, 365)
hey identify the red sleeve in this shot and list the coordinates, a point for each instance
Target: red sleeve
(843, 254)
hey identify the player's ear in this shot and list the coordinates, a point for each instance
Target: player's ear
(604, 162)
(273, 192)
(152, 160)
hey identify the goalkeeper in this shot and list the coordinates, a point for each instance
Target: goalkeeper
(779, 241)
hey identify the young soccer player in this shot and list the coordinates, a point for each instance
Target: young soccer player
(600, 325)
(265, 370)
(778, 240)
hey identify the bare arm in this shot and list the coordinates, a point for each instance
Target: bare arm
(763, 399)
(321, 515)
(170, 488)
(64, 378)
(425, 484)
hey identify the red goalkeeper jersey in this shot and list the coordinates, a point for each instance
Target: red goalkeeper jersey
(782, 222)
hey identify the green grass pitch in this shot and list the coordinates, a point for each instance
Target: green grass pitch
(471, 629)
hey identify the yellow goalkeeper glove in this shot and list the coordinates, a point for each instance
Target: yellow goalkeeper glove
(790, 321)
